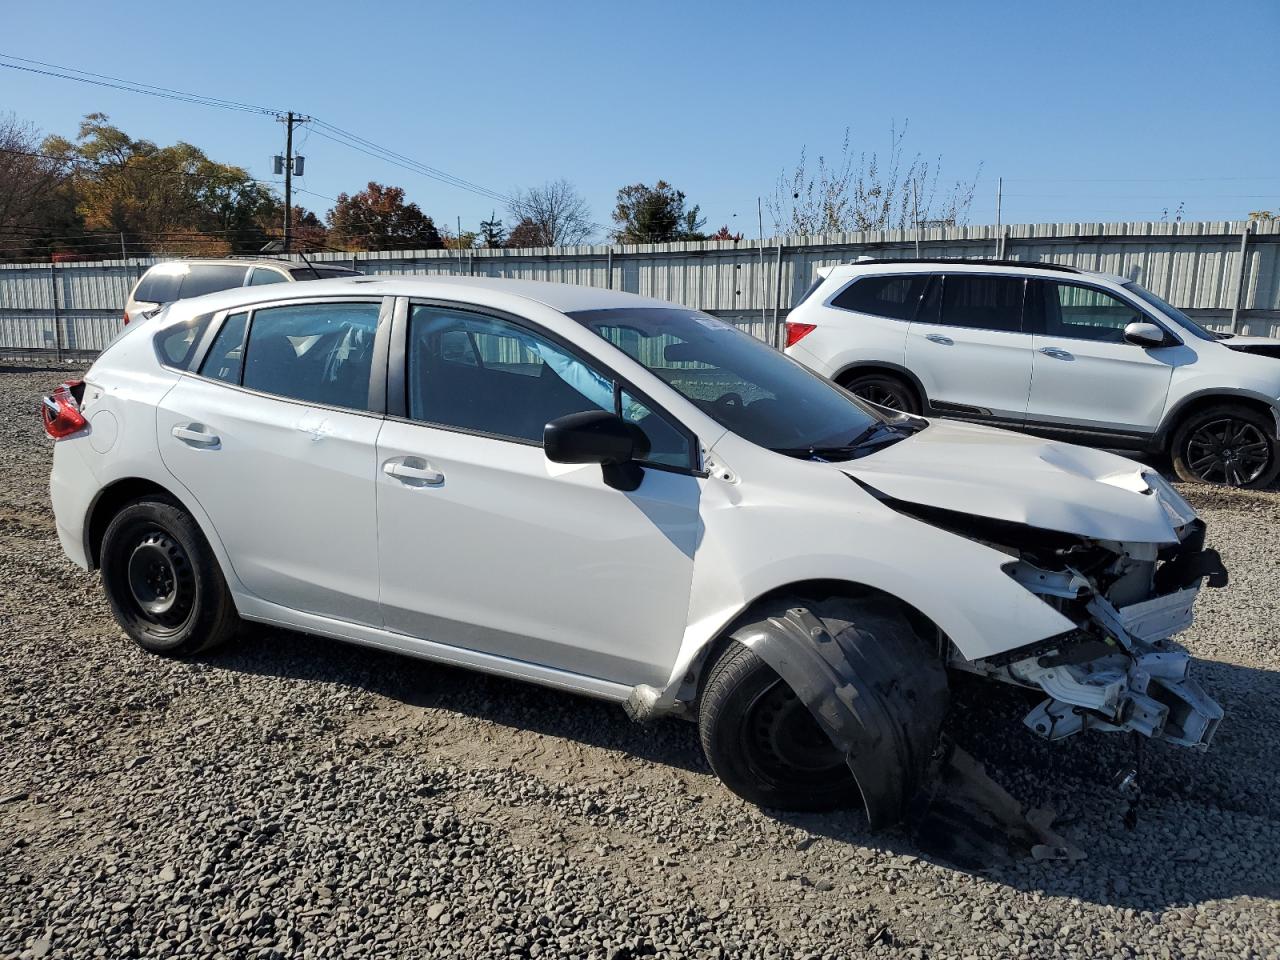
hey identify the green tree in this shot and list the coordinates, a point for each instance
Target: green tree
(378, 218)
(491, 233)
(655, 214)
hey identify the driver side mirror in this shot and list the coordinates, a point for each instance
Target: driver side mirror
(596, 436)
(1143, 334)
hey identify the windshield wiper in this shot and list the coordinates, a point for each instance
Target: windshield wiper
(845, 450)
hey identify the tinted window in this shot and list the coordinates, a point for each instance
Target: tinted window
(983, 303)
(205, 278)
(492, 376)
(263, 275)
(176, 345)
(743, 384)
(317, 352)
(894, 296)
(307, 273)
(226, 354)
(158, 286)
(1085, 313)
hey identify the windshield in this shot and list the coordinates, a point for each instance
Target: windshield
(740, 382)
(1174, 314)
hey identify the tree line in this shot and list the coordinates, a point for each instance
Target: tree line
(103, 190)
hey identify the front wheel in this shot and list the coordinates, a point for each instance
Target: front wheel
(882, 390)
(1227, 445)
(163, 582)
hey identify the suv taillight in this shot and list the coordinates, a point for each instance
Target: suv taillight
(798, 331)
(126, 318)
(61, 411)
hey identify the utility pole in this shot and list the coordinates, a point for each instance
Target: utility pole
(999, 235)
(288, 167)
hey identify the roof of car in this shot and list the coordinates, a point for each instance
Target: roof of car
(942, 265)
(564, 297)
(248, 262)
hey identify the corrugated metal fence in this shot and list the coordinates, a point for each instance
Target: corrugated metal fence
(1224, 273)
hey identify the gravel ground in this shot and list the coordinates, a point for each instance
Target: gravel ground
(297, 797)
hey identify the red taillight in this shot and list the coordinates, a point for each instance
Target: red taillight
(61, 411)
(798, 331)
(126, 318)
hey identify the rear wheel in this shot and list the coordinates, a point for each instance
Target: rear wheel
(1228, 445)
(163, 582)
(882, 389)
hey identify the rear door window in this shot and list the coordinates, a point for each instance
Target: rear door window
(982, 302)
(205, 278)
(316, 352)
(895, 296)
(263, 275)
(226, 353)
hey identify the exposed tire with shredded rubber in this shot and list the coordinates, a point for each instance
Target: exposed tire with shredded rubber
(867, 683)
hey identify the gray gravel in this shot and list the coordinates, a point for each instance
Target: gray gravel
(294, 797)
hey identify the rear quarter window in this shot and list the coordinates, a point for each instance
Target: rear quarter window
(895, 296)
(158, 286)
(176, 346)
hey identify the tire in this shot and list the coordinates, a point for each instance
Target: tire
(883, 389)
(766, 746)
(163, 582)
(1228, 445)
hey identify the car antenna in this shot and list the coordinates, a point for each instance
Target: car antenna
(277, 246)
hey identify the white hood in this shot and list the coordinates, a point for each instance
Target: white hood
(1042, 483)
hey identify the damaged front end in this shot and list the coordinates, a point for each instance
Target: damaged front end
(1118, 670)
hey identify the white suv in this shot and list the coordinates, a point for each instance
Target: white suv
(1051, 350)
(627, 499)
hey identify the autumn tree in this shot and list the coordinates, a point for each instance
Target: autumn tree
(724, 233)
(173, 199)
(526, 233)
(655, 214)
(868, 191)
(552, 215)
(37, 202)
(378, 218)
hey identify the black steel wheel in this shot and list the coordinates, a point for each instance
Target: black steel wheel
(163, 581)
(883, 390)
(1227, 445)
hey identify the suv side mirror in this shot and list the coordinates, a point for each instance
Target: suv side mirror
(1143, 334)
(596, 436)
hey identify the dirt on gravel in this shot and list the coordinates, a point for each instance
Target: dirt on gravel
(296, 797)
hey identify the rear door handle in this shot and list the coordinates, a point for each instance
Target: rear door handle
(1057, 353)
(939, 338)
(195, 435)
(413, 472)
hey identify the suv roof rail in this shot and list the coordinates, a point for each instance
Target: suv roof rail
(973, 261)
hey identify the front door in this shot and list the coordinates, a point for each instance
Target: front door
(1084, 373)
(276, 441)
(968, 347)
(487, 545)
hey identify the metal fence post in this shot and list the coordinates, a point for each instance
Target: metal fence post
(777, 338)
(1240, 276)
(57, 328)
(608, 267)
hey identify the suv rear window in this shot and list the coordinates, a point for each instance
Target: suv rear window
(209, 278)
(158, 286)
(894, 296)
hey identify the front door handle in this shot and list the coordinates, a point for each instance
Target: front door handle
(413, 472)
(1057, 353)
(939, 338)
(195, 435)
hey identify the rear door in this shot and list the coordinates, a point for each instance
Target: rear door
(276, 439)
(1084, 373)
(968, 347)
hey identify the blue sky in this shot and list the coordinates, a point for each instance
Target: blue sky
(1089, 110)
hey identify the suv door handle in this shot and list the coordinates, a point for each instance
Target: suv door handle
(1057, 353)
(413, 472)
(195, 435)
(939, 338)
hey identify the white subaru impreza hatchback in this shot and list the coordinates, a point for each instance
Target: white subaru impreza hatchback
(629, 499)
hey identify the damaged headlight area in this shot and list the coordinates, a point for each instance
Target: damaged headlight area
(1119, 670)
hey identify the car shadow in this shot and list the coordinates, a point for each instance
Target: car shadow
(1206, 822)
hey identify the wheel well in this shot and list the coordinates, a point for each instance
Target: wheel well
(108, 504)
(1194, 406)
(810, 590)
(906, 379)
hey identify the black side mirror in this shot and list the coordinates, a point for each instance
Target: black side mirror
(1143, 334)
(596, 436)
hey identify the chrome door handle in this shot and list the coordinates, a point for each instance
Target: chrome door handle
(1057, 353)
(414, 472)
(193, 434)
(939, 338)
